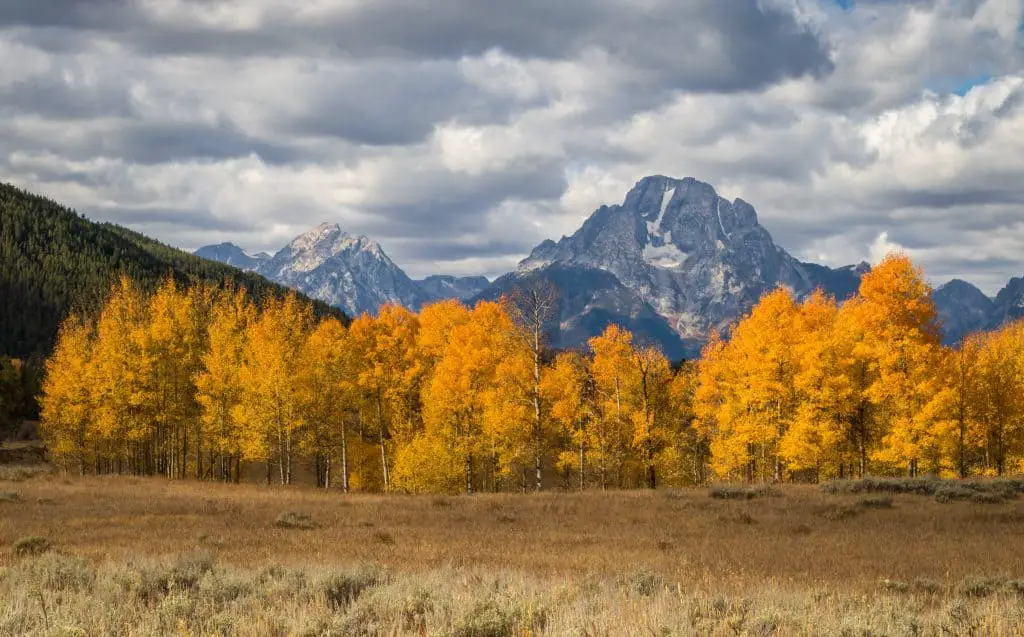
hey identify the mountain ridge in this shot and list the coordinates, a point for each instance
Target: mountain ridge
(674, 259)
(348, 271)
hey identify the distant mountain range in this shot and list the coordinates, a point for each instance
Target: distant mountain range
(347, 271)
(672, 263)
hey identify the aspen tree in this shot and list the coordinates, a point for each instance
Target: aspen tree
(389, 375)
(902, 331)
(532, 307)
(119, 383)
(323, 395)
(218, 383)
(456, 395)
(66, 401)
(568, 388)
(612, 354)
(269, 409)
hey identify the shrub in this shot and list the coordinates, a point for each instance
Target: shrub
(741, 517)
(415, 610)
(840, 512)
(644, 583)
(983, 497)
(876, 502)
(487, 618)
(20, 473)
(223, 589)
(895, 586)
(342, 589)
(293, 520)
(943, 490)
(1015, 586)
(34, 545)
(979, 586)
(916, 486)
(952, 492)
(66, 574)
(928, 586)
(725, 492)
(157, 581)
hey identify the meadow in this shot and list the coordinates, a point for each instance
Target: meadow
(142, 556)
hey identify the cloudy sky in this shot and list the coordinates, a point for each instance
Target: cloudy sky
(460, 133)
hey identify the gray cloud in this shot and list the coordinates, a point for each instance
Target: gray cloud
(459, 133)
(697, 45)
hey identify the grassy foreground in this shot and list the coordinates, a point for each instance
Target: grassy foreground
(147, 556)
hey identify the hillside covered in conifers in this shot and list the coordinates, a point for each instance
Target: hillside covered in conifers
(53, 260)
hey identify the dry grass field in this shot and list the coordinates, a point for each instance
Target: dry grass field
(148, 556)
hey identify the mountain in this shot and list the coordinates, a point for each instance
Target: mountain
(1008, 304)
(232, 255)
(442, 286)
(346, 271)
(679, 251)
(841, 283)
(53, 260)
(591, 299)
(962, 309)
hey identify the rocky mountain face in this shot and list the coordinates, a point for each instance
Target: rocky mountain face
(232, 255)
(442, 286)
(962, 309)
(347, 271)
(678, 252)
(1008, 304)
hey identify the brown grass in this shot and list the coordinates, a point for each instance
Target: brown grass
(663, 556)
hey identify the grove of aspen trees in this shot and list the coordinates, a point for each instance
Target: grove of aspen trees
(199, 382)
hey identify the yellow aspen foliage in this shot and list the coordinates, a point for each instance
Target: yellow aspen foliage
(388, 377)
(66, 401)
(758, 396)
(999, 403)
(818, 438)
(325, 396)
(612, 432)
(437, 321)
(120, 387)
(901, 331)
(218, 383)
(191, 381)
(652, 375)
(856, 350)
(270, 407)
(428, 463)
(682, 461)
(174, 338)
(632, 388)
(508, 417)
(567, 386)
(456, 397)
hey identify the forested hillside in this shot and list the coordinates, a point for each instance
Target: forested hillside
(52, 260)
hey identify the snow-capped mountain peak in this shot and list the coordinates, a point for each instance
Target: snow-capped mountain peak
(328, 241)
